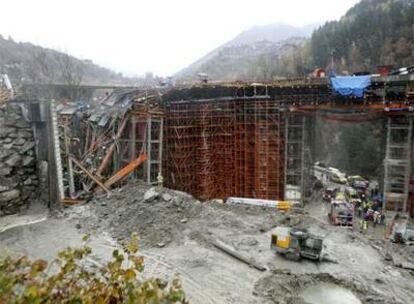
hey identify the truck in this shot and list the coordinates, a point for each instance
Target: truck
(329, 194)
(352, 196)
(358, 182)
(337, 176)
(295, 244)
(341, 213)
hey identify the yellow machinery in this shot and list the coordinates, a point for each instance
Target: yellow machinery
(295, 244)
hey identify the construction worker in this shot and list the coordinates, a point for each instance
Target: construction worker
(382, 218)
(363, 197)
(359, 208)
(361, 225)
(365, 225)
(376, 218)
(160, 179)
(370, 204)
(364, 207)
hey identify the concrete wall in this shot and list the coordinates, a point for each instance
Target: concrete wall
(18, 174)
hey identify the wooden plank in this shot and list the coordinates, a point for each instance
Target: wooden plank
(71, 201)
(111, 149)
(94, 178)
(237, 255)
(125, 171)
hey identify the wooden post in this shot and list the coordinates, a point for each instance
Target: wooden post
(132, 139)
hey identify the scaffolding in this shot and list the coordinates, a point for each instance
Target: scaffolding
(143, 134)
(294, 158)
(269, 148)
(180, 149)
(397, 163)
(226, 148)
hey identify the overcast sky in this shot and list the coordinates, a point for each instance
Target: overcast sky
(162, 36)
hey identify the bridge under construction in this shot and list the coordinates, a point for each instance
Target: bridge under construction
(227, 139)
(253, 140)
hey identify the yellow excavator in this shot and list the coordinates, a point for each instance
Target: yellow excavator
(296, 244)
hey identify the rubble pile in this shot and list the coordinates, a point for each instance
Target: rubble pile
(157, 215)
(18, 178)
(162, 216)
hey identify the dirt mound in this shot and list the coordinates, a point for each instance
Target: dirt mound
(161, 216)
(157, 215)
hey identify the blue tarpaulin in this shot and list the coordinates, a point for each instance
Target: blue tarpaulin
(351, 85)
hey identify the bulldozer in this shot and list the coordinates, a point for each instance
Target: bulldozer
(296, 244)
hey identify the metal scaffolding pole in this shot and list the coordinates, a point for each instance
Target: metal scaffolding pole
(149, 157)
(397, 163)
(294, 158)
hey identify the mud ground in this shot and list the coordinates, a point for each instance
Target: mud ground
(176, 233)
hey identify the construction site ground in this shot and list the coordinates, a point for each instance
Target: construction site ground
(177, 234)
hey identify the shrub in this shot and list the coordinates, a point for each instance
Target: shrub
(73, 280)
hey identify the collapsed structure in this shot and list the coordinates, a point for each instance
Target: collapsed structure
(218, 140)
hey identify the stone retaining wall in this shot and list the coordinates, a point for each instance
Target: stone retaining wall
(18, 174)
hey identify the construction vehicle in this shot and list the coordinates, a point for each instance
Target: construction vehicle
(339, 197)
(341, 213)
(352, 196)
(337, 176)
(295, 244)
(358, 182)
(329, 194)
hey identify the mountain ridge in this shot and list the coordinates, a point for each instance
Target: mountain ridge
(372, 33)
(270, 34)
(25, 62)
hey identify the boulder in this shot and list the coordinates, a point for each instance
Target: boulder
(151, 194)
(13, 160)
(167, 197)
(10, 130)
(9, 195)
(19, 141)
(28, 161)
(5, 171)
(28, 181)
(25, 134)
(8, 146)
(21, 123)
(4, 153)
(27, 146)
